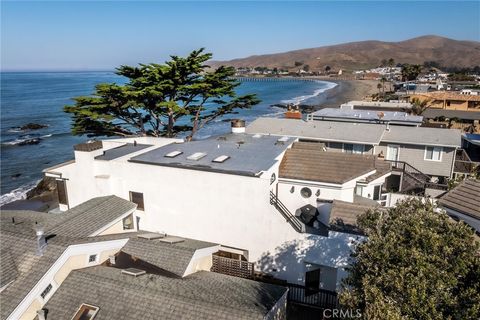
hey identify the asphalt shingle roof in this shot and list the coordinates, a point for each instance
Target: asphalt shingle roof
(21, 247)
(465, 198)
(343, 215)
(320, 166)
(202, 295)
(173, 257)
(90, 216)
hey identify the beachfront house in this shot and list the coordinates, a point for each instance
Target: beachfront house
(75, 266)
(421, 157)
(251, 193)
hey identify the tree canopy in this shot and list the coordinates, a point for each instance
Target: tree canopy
(416, 264)
(160, 99)
(411, 71)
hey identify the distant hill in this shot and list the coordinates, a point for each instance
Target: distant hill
(369, 54)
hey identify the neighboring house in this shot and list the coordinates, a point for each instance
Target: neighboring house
(463, 203)
(450, 100)
(66, 266)
(378, 106)
(428, 150)
(229, 190)
(346, 113)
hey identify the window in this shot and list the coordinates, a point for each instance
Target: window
(62, 192)
(358, 148)
(46, 291)
(433, 153)
(273, 178)
(128, 222)
(334, 145)
(348, 148)
(376, 192)
(137, 198)
(92, 258)
(85, 312)
(306, 192)
(359, 190)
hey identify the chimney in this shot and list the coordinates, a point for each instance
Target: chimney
(41, 241)
(238, 126)
(293, 112)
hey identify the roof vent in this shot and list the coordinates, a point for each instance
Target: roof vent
(196, 156)
(173, 154)
(151, 235)
(172, 240)
(221, 159)
(133, 272)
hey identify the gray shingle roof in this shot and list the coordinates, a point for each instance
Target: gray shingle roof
(248, 155)
(203, 295)
(320, 166)
(8, 268)
(90, 216)
(461, 114)
(21, 246)
(424, 136)
(173, 257)
(343, 215)
(323, 130)
(465, 198)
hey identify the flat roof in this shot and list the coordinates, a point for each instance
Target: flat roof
(424, 136)
(121, 151)
(366, 115)
(363, 133)
(380, 104)
(245, 154)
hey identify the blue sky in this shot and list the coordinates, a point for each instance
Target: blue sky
(90, 35)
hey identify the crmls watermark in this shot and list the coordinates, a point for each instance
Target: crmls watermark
(342, 314)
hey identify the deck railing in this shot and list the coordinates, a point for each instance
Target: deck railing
(296, 224)
(233, 267)
(317, 297)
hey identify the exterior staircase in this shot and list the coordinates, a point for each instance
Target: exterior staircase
(291, 218)
(414, 181)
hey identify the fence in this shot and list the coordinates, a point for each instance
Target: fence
(233, 267)
(317, 297)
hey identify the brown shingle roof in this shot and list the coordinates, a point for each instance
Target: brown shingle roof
(465, 198)
(332, 167)
(343, 215)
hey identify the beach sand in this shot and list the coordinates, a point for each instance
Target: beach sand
(348, 90)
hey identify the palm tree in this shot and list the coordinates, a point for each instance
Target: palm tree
(419, 106)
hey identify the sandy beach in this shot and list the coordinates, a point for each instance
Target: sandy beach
(347, 90)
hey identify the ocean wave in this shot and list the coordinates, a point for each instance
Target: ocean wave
(17, 194)
(299, 99)
(22, 142)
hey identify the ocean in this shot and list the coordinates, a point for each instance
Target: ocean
(39, 97)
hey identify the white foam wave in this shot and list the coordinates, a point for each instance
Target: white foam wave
(299, 99)
(17, 194)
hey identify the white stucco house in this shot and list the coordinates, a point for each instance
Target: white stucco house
(251, 193)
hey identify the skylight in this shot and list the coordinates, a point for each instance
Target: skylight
(85, 312)
(133, 272)
(257, 135)
(173, 154)
(283, 139)
(196, 156)
(221, 159)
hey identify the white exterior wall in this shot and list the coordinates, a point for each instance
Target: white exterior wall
(231, 210)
